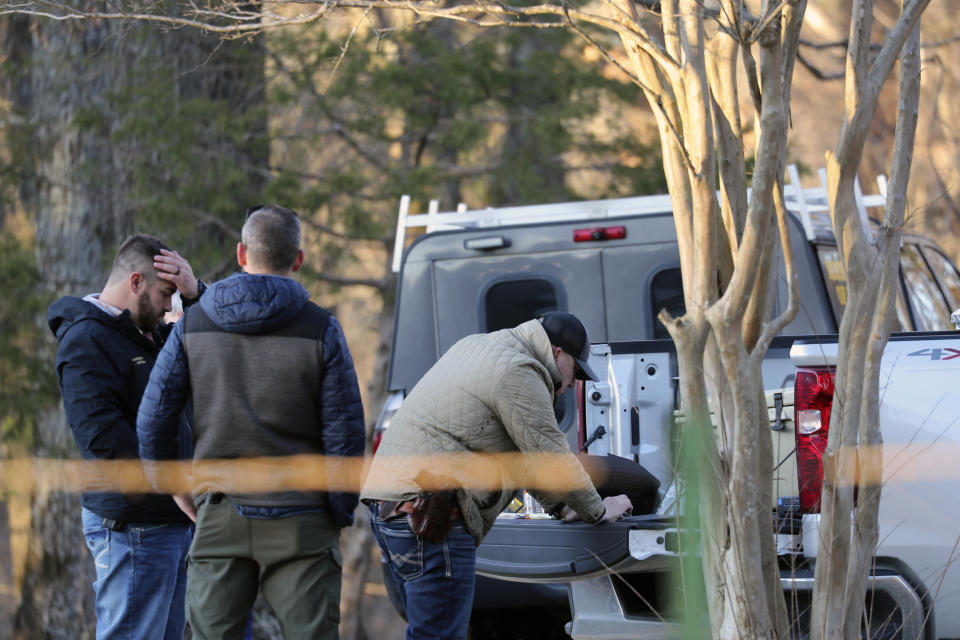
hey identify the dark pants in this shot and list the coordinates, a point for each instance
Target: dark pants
(294, 561)
(435, 579)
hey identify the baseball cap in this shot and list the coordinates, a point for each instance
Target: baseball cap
(568, 333)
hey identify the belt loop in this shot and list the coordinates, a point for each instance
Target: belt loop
(113, 525)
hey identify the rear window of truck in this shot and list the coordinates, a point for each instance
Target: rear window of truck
(513, 302)
(666, 292)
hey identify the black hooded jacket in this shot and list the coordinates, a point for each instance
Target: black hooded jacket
(103, 365)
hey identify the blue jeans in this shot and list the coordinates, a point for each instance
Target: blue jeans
(435, 579)
(141, 578)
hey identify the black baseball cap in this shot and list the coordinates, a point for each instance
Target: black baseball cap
(568, 333)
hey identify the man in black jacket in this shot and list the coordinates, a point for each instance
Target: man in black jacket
(108, 345)
(271, 377)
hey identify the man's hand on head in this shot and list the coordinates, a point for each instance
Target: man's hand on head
(173, 268)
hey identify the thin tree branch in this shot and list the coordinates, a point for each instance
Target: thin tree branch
(632, 22)
(229, 230)
(894, 42)
(774, 327)
(341, 127)
(346, 46)
(820, 75)
(239, 23)
(772, 15)
(609, 58)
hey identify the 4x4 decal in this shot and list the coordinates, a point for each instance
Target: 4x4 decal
(946, 353)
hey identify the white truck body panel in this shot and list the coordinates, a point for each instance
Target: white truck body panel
(919, 415)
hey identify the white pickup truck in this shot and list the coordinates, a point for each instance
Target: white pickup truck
(615, 264)
(914, 585)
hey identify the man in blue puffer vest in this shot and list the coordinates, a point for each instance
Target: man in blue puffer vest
(271, 376)
(108, 344)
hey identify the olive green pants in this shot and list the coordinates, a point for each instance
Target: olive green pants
(294, 561)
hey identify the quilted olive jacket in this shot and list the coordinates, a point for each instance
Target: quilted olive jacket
(490, 393)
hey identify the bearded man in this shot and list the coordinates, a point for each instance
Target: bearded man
(108, 344)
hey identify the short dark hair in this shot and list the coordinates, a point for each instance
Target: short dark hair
(136, 255)
(271, 235)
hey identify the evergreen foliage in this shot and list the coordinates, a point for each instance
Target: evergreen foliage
(27, 383)
(489, 116)
(493, 117)
(190, 188)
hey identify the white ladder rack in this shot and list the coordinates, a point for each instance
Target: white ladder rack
(809, 204)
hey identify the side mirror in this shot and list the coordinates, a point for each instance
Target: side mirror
(955, 319)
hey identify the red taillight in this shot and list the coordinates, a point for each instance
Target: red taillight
(599, 233)
(377, 437)
(813, 397)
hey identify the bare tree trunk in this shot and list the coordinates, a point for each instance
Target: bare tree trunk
(76, 185)
(359, 543)
(847, 543)
(745, 596)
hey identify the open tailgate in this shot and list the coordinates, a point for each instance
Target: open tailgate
(549, 550)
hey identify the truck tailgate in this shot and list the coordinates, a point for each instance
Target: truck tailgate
(549, 550)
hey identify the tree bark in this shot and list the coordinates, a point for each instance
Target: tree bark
(360, 546)
(848, 530)
(76, 186)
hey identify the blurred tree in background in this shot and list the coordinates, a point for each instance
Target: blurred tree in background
(440, 111)
(108, 129)
(26, 386)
